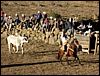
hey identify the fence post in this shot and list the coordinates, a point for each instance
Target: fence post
(96, 42)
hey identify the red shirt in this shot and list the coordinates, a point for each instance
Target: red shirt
(2, 13)
(46, 21)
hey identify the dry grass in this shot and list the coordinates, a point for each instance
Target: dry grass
(65, 8)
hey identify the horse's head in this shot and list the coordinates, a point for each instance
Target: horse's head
(79, 47)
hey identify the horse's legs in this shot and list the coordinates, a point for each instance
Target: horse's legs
(67, 60)
(74, 59)
(58, 57)
(78, 59)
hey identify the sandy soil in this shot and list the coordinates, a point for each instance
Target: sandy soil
(40, 59)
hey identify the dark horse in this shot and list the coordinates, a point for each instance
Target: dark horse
(72, 50)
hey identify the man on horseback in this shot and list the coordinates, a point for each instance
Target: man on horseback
(69, 48)
(64, 41)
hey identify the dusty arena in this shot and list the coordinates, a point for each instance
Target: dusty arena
(40, 58)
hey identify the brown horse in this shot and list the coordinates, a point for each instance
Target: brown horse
(72, 50)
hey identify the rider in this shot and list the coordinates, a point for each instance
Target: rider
(66, 41)
(63, 41)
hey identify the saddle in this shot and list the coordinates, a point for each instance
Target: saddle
(69, 51)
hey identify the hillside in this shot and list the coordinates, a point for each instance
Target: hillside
(65, 8)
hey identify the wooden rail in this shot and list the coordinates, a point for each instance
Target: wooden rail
(84, 41)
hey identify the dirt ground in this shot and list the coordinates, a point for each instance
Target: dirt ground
(40, 59)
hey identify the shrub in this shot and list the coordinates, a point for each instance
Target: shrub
(55, 15)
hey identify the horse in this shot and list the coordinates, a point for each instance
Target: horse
(71, 51)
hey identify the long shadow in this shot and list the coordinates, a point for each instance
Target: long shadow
(24, 64)
(35, 63)
(42, 52)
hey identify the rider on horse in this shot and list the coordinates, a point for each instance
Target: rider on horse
(64, 41)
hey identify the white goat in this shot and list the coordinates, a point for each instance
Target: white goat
(17, 41)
